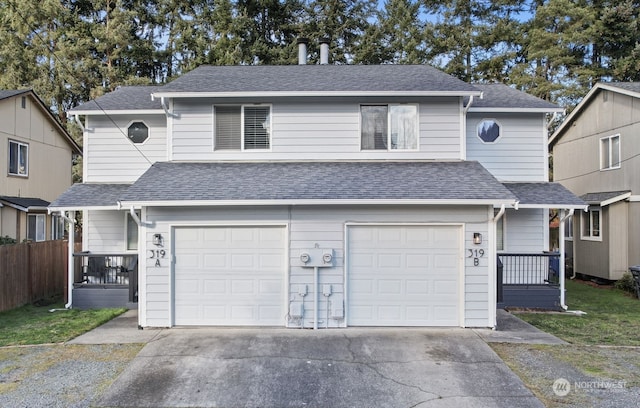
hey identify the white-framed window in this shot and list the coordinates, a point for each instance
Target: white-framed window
(568, 229)
(591, 224)
(57, 227)
(500, 230)
(610, 152)
(489, 130)
(131, 232)
(138, 132)
(389, 127)
(18, 158)
(36, 224)
(242, 127)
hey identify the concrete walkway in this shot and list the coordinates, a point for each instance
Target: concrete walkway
(511, 329)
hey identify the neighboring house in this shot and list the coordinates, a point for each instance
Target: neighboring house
(314, 195)
(596, 155)
(37, 161)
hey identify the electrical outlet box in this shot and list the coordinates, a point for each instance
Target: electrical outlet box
(337, 307)
(302, 290)
(326, 290)
(296, 310)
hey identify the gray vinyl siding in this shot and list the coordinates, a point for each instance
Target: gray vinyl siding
(104, 231)
(618, 224)
(322, 130)
(306, 227)
(520, 154)
(525, 230)
(592, 257)
(110, 157)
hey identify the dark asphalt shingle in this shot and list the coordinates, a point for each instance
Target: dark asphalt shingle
(317, 78)
(123, 98)
(597, 198)
(90, 195)
(8, 93)
(544, 194)
(168, 181)
(503, 96)
(24, 202)
(627, 86)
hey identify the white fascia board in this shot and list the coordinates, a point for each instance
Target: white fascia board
(36, 208)
(560, 206)
(118, 112)
(515, 110)
(615, 199)
(309, 93)
(17, 207)
(218, 203)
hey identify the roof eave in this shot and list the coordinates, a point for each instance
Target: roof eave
(117, 112)
(552, 206)
(169, 94)
(52, 208)
(516, 110)
(220, 203)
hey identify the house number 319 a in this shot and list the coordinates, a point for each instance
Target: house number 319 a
(476, 254)
(157, 254)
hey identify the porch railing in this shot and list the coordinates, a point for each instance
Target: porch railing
(530, 269)
(107, 270)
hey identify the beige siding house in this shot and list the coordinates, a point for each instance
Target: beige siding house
(36, 158)
(596, 155)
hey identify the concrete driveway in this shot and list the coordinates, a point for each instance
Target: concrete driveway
(267, 367)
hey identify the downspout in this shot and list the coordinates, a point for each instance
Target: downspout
(79, 122)
(561, 272)
(500, 213)
(70, 262)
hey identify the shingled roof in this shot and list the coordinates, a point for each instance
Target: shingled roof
(90, 195)
(318, 79)
(500, 97)
(25, 204)
(123, 99)
(542, 194)
(280, 182)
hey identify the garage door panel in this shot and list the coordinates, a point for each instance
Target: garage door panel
(231, 276)
(404, 275)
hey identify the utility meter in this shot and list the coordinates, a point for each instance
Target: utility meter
(304, 257)
(327, 257)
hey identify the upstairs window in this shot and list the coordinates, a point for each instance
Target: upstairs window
(18, 158)
(389, 127)
(591, 222)
(138, 132)
(242, 127)
(610, 152)
(489, 130)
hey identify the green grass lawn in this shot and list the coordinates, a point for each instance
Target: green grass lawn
(37, 325)
(613, 317)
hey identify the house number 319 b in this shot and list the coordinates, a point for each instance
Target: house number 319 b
(476, 254)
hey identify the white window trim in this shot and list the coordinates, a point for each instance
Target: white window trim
(389, 149)
(242, 106)
(57, 223)
(42, 217)
(26, 174)
(499, 134)
(589, 214)
(126, 132)
(609, 138)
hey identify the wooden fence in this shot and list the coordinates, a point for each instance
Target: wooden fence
(32, 271)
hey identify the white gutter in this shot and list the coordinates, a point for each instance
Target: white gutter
(79, 122)
(500, 213)
(466, 108)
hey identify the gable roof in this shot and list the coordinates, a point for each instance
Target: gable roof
(263, 183)
(25, 204)
(545, 195)
(503, 98)
(316, 80)
(626, 88)
(123, 99)
(9, 93)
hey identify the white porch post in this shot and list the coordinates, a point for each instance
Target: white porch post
(70, 262)
(561, 248)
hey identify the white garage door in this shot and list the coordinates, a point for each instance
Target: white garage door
(404, 275)
(229, 276)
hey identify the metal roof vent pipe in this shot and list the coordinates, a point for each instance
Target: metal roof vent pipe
(324, 50)
(302, 51)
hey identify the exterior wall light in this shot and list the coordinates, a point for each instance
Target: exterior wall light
(157, 239)
(477, 238)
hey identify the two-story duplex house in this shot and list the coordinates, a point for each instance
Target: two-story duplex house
(37, 156)
(315, 195)
(595, 154)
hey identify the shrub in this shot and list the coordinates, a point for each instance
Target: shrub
(7, 240)
(626, 283)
